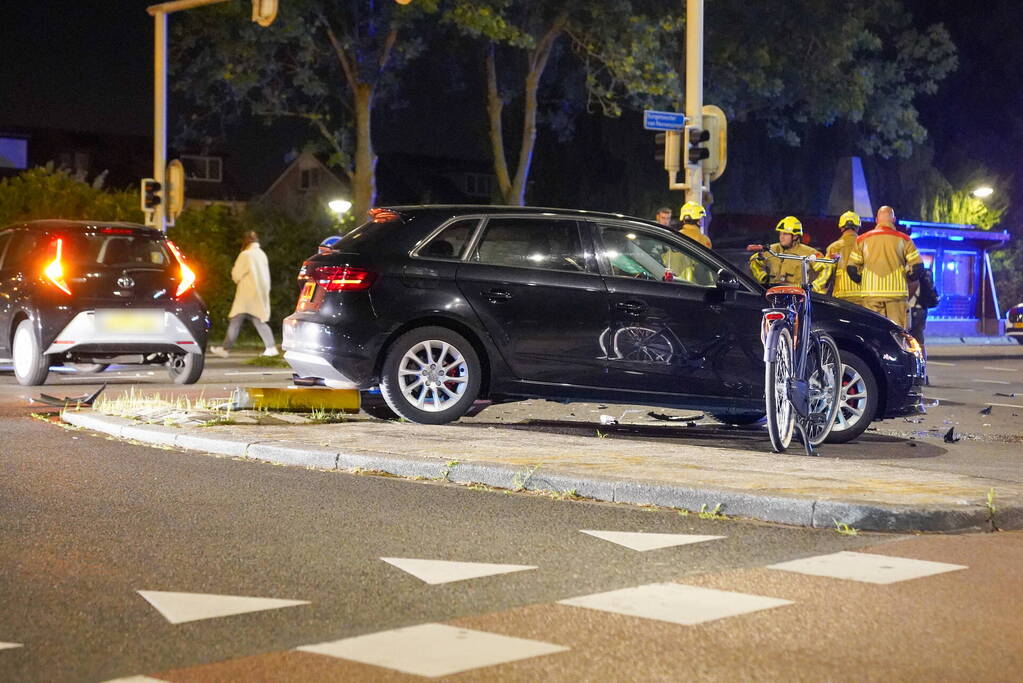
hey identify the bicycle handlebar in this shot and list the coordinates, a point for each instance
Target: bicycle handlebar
(810, 259)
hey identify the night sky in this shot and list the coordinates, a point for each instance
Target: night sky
(88, 65)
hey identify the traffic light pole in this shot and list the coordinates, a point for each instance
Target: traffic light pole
(694, 92)
(158, 217)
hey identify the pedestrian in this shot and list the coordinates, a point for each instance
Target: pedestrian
(843, 287)
(922, 296)
(770, 270)
(663, 216)
(251, 274)
(883, 262)
(691, 217)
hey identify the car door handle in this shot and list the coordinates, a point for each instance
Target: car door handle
(631, 307)
(496, 296)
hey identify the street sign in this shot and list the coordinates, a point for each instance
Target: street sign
(663, 120)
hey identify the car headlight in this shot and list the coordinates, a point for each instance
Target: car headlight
(907, 343)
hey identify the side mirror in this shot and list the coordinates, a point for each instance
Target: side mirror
(726, 279)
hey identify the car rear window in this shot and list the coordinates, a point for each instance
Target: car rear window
(116, 249)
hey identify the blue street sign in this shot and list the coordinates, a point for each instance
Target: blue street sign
(663, 120)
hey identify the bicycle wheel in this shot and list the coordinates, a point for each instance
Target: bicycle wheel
(825, 378)
(777, 372)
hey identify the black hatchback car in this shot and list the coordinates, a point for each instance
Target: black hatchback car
(442, 306)
(91, 294)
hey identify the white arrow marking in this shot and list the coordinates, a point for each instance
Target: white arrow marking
(442, 571)
(7, 646)
(178, 608)
(642, 541)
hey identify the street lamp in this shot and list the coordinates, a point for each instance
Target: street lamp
(339, 206)
(983, 192)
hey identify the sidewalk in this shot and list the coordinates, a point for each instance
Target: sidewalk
(901, 494)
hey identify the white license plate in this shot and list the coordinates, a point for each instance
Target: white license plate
(130, 322)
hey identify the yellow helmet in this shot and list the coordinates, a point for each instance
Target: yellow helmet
(849, 217)
(691, 211)
(790, 225)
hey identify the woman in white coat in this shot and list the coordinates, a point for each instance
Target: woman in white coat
(251, 273)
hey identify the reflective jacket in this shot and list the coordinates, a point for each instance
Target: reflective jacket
(844, 287)
(884, 256)
(771, 270)
(693, 232)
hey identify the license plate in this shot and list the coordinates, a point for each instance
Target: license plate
(308, 290)
(1013, 326)
(130, 322)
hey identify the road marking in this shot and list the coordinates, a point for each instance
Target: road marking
(675, 603)
(264, 372)
(7, 646)
(642, 541)
(866, 567)
(443, 571)
(136, 679)
(989, 367)
(935, 362)
(178, 608)
(1003, 405)
(434, 650)
(990, 381)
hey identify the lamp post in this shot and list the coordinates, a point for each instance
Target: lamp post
(983, 192)
(263, 13)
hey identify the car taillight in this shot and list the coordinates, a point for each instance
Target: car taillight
(54, 270)
(338, 278)
(187, 274)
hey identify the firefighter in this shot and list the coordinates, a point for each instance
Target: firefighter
(770, 270)
(844, 287)
(691, 217)
(882, 262)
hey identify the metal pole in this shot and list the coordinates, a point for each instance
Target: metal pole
(160, 117)
(694, 93)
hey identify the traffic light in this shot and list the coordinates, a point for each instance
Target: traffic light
(669, 146)
(696, 137)
(151, 197)
(175, 191)
(715, 123)
(264, 12)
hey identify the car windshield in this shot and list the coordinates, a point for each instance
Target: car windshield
(115, 249)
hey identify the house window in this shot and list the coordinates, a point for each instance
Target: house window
(202, 168)
(76, 162)
(478, 185)
(310, 179)
(13, 153)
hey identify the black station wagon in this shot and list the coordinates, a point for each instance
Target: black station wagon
(445, 307)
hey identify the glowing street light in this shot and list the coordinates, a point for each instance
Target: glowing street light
(983, 192)
(339, 206)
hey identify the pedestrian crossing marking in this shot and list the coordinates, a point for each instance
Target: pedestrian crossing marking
(676, 603)
(643, 541)
(866, 567)
(433, 649)
(444, 571)
(8, 646)
(179, 608)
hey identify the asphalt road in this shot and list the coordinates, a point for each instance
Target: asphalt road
(87, 522)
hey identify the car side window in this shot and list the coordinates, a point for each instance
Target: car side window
(4, 239)
(532, 243)
(451, 242)
(637, 254)
(20, 250)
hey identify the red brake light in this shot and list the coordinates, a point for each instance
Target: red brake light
(383, 215)
(54, 270)
(774, 316)
(116, 231)
(338, 278)
(187, 275)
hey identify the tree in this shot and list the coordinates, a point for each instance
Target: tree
(325, 62)
(48, 193)
(517, 41)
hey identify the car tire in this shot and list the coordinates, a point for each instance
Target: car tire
(416, 389)
(374, 405)
(31, 366)
(186, 368)
(855, 411)
(739, 419)
(1019, 340)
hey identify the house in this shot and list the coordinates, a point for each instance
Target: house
(305, 187)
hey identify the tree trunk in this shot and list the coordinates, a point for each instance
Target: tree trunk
(516, 195)
(364, 192)
(494, 109)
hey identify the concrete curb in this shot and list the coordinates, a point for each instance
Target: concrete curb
(809, 512)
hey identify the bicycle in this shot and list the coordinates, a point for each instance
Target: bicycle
(803, 368)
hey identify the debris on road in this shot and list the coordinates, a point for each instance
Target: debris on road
(986, 410)
(86, 400)
(608, 420)
(950, 435)
(675, 418)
